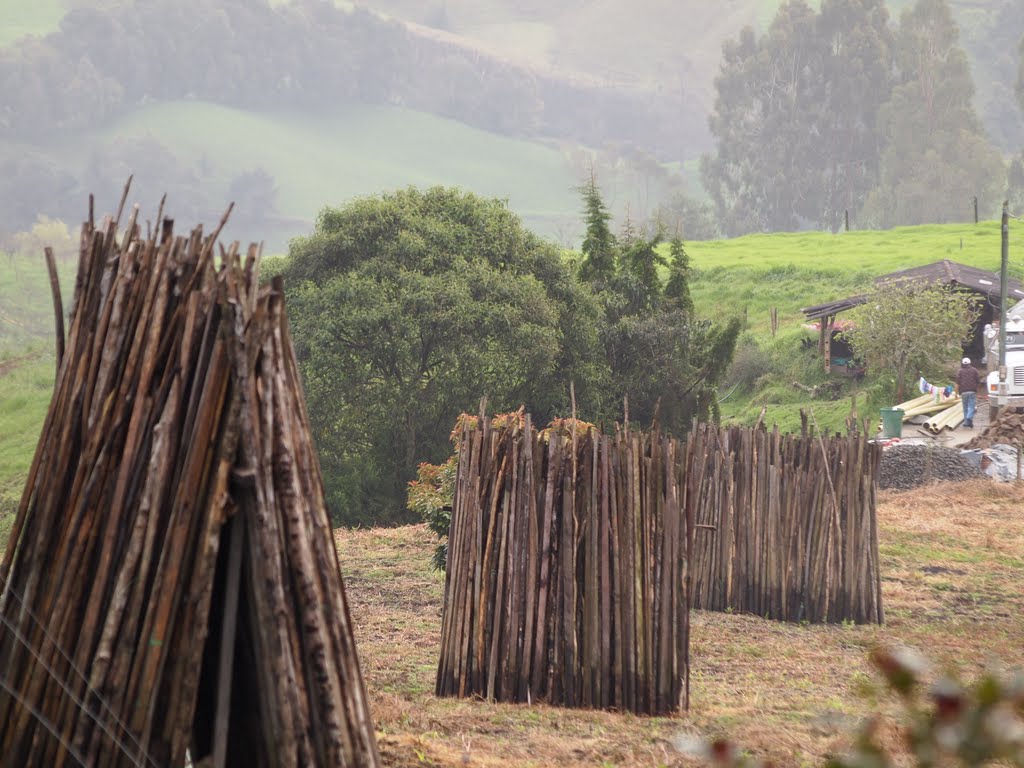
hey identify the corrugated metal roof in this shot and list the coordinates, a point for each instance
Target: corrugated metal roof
(943, 272)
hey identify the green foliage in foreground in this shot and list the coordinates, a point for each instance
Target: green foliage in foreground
(431, 496)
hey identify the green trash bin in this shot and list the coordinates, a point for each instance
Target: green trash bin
(892, 422)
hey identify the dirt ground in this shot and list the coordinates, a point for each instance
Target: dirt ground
(952, 560)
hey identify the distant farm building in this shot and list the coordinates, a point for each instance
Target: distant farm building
(836, 352)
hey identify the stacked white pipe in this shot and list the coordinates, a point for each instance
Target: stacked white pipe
(931, 403)
(950, 418)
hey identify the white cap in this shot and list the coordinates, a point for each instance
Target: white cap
(966, 361)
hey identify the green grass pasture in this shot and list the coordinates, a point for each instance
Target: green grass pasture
(25, 390)
(747, 276)
(28, 17)
(26, 367)
(791, 271)
(26, 306)
(359, 150)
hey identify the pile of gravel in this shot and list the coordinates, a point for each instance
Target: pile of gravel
(908, 466)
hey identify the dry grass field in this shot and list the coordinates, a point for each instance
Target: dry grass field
(953, 585)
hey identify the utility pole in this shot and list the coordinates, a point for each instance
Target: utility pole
(1003, 298)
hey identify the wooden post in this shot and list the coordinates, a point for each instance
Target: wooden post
(975, 209)
(58, 306)
(827, 341)
(846, 219)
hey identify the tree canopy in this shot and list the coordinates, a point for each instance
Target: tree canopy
(410, 306)
(663, 359)
(832, 111)
(937, 156)
(901, 328)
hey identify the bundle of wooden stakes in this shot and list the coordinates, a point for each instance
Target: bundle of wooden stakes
(170, 589)
(567, 569)
(574, 558)
(786, 525)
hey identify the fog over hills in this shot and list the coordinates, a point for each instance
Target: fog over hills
(290, 106)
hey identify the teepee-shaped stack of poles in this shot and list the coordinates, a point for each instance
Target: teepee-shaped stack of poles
(170, 589)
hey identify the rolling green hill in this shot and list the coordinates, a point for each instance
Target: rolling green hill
(750, 275)
(318, 161)
(790, 271)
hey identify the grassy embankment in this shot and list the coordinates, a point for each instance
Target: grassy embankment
(951, 569)
(789, 271)
(26, 367)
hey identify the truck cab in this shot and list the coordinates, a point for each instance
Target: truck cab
(1014, 397)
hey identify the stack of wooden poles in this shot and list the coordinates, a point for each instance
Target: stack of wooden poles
(170, 588)
(574, 557)
(567, 569)
(786, 526)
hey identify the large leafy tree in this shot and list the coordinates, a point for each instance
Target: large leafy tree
(795, 118)
(857, 69)
(406, 309)
(902, 328)
(766, 91)
(937, 156)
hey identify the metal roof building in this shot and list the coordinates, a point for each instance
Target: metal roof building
(943, 272)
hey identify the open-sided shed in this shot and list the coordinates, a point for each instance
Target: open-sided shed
(945, 272)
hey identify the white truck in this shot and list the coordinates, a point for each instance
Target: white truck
(1014, 394)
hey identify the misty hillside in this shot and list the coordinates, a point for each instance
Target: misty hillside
(289, 106)
(657, 44)
(669, 46)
